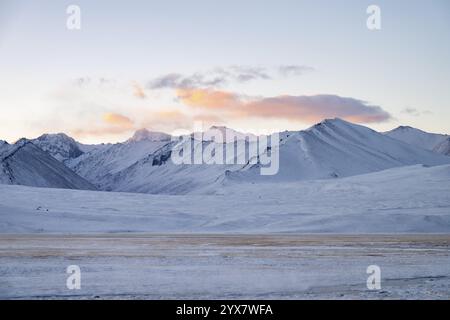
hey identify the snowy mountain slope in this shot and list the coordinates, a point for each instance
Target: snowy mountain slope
(91, 147)
(143, 164)
(4, 151)
(60, 146)
(100, 163)
(429, 141)
(411, 199)
(26, 164)
(157, 173)
(330, 149)
(336, 148)
(64, 148)
(443, 147)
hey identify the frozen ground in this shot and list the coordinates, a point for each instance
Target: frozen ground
(144, 266)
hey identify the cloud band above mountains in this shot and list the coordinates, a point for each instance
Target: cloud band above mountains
(305, 109)
(201, 97)
(200, 92)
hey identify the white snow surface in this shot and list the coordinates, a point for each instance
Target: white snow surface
(439, 143)
(413, 199)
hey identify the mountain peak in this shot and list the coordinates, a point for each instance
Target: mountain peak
(56, 138)
(336, 119)
(334, 122)
(224, 129)
(21, 142)
(229, 135)
(59, 135)
(218, 127)
(425, 140)
(406, 128)
(58, 145)
(144, 134)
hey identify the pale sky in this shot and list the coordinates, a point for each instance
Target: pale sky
(256, 66)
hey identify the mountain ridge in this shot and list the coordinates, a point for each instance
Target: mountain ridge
(435, 142)
(24, 163)
(331, 148)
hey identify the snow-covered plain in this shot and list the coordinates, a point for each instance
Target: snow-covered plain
(401, 200)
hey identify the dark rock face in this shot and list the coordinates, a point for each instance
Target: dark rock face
(161, 158)
(443, 147)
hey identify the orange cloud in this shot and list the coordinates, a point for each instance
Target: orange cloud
(169, 115)
(112, 124)
(207, 98)
(138, 91)
(117, 120)
(308, 109)
(316, 108)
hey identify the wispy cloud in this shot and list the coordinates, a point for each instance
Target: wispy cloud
(244, 73)
(176, 80)
(221, 76)
(89, 81)
(294, 70)
(415, 112)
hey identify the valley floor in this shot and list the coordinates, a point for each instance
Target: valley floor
(130, 266)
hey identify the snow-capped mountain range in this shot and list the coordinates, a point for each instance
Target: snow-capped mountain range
(336, 148)
(328, 150)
